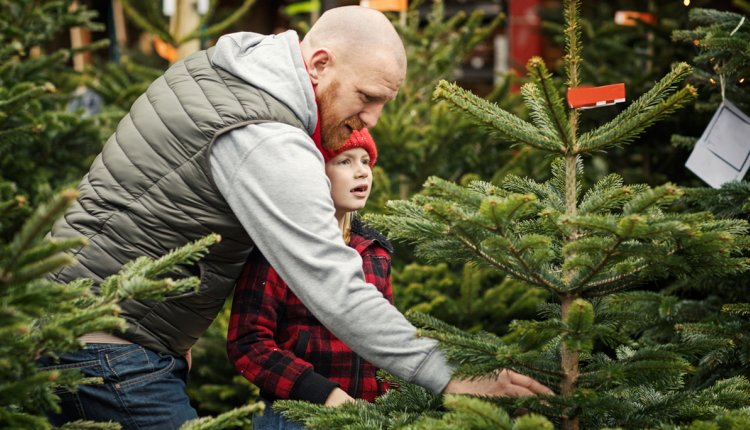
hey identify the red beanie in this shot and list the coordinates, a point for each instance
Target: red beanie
(358, 139)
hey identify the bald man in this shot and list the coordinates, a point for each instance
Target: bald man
(230, 140)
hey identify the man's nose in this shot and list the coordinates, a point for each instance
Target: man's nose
(370, 114)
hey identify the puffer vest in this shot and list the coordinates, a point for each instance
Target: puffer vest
(150, 190)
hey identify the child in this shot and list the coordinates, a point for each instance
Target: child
(275, 342)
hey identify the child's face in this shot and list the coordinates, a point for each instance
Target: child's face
(351, 179)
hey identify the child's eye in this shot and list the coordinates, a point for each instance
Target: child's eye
(345, 161)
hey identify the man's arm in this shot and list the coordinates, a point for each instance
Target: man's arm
(273, 178)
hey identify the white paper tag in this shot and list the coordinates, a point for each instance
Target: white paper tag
(722, 154)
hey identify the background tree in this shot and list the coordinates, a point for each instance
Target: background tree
(43, 145)
(413, 130)
(708, 312)
(468, 296)
(174, 33)
(638, 55)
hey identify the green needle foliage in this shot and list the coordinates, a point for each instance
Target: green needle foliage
(40, 318)
(43, 145)
(587, 246)
(722, 39)
(707, 313)
(148, 16)
(474, 298)
(43, 318)
(408, 407)
(228, 420)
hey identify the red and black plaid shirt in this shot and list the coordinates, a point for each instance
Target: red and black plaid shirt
(277, 344)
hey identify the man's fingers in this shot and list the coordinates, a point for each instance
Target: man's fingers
(532, 385)
(516, 391)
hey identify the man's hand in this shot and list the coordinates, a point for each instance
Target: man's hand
(506, 384)
(338, 397)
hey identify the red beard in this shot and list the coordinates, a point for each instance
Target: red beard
(333, 132)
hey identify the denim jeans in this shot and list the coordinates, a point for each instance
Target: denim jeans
(271, 420)
(142, 389)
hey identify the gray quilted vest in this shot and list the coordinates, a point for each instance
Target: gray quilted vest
(150, 191)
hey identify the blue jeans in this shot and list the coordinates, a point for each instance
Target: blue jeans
(271, 420)
(142, 389)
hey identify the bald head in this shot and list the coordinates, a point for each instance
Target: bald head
(355, 30)
(356, 62)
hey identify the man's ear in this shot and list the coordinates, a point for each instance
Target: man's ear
(321, 62)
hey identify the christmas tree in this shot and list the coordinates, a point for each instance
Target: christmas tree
(638, 51)
(180, 25)
(41, 318)
(590, 247)
(711, 314)
(43, 144)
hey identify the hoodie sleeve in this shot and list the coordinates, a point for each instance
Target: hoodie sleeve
(273, 178)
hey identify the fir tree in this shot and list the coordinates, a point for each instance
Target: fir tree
(723, 59)
(638, 55)
(708, 312)
(43, 145)
(470, 297)
(585, 245)
(44, 318)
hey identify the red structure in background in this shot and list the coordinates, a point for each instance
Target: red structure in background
(524, 33)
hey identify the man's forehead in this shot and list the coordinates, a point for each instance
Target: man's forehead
(379, 83)
(378, 89)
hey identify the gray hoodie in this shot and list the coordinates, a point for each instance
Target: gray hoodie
(273, 178)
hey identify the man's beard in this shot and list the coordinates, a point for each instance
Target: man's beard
(333, 132)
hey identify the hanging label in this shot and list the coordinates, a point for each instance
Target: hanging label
(723, 151)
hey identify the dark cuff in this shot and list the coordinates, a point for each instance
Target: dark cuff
(312, 387)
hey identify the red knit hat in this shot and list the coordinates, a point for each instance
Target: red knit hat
(358, 139)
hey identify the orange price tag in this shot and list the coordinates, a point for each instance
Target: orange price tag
(165, 50)
(593, 97)
(386, 5)
(631, 17)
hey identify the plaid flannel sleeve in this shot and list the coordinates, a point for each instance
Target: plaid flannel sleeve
(251, 346)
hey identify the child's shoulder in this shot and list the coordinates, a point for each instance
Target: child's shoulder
(359, 228)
